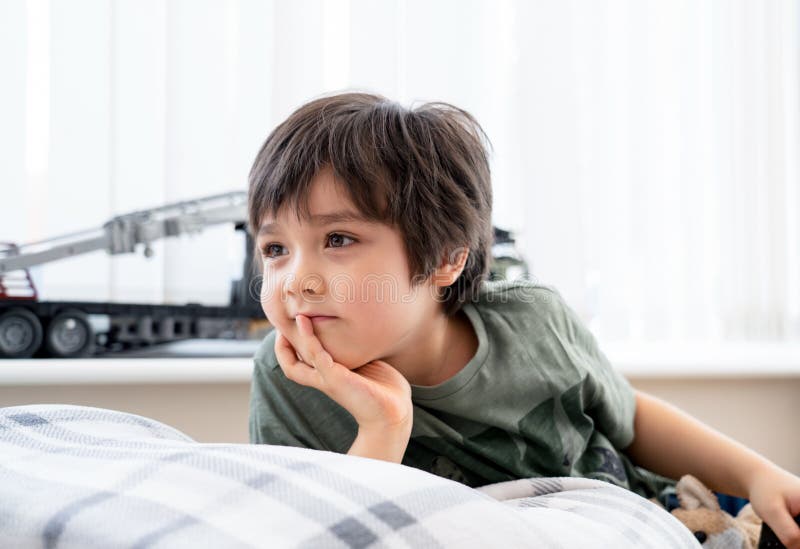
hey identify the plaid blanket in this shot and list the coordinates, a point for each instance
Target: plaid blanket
(86, 477)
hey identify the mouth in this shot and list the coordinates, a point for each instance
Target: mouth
(318, 318)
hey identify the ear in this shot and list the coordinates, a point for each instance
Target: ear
(693, 494)
(451, 267)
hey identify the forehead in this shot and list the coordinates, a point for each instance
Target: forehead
(327, 202)
(327, 192)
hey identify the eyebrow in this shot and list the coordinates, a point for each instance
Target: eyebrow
(342, 216)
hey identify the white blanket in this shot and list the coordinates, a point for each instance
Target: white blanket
(86, 477)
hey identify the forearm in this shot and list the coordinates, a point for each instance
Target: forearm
(386, 444)
(672, 443)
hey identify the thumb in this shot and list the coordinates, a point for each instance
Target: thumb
(384, 372)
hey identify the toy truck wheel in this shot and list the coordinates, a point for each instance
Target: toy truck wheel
(20, 334)
(69, 335)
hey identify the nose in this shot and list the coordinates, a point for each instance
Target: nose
(304, 279)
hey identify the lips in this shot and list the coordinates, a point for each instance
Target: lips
(318, 319)
(315, 317)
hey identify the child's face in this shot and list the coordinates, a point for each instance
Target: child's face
(353, 270)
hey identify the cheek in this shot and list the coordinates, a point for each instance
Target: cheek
(273, 307)
(377, 323)
(279, 319)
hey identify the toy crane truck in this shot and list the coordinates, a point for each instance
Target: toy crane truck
(30, 327)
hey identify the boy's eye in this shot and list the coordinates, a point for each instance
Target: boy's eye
(337, 240)
(334, 240)
(267, 251)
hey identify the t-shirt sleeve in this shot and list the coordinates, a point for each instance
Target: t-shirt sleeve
(268, 422)
(611, 401)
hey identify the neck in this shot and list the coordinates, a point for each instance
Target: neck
(438, 351)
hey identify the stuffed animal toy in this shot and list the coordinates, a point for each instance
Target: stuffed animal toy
(713, 527)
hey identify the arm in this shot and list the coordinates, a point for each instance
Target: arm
(671, 443)
(387, 444)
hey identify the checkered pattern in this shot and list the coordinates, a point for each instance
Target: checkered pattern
(86, 477)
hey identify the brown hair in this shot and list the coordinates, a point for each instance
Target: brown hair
(423, 170)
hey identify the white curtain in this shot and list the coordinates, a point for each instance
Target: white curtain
(645, 152)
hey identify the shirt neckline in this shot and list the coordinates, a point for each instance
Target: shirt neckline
(458, 381)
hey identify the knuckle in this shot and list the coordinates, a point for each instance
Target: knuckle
(318, 356)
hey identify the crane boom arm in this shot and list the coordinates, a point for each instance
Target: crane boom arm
(123, 233)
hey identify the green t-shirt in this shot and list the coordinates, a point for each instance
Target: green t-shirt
(539, 398)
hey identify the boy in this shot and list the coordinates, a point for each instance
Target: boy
(374, 225)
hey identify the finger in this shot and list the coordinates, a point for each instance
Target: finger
(785, 528)
(294, 369)
(313, 351)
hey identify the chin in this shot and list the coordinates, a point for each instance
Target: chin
(350, 360)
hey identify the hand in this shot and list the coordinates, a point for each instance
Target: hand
(775, 496)
(375, 394)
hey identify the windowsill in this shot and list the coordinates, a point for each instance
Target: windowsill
(718, 359)
(635, 360)
(113, 371)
